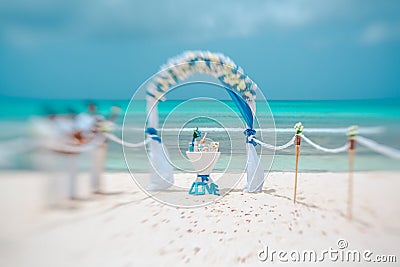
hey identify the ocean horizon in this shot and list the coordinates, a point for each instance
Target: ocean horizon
(325, 122)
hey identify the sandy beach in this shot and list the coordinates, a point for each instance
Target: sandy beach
(269, 128)
(128, 228)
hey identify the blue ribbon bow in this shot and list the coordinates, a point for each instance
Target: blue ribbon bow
(249, 132)
(152, 131)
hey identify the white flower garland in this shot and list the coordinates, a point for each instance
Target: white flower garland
(218, 65)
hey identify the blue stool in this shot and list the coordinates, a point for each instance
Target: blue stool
(204, 177)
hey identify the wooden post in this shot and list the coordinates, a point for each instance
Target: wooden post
(298, 141)
(352, 147)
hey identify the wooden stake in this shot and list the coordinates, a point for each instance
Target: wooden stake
(298, 141)
(352, 146)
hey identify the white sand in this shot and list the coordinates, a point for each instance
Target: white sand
(131, 229)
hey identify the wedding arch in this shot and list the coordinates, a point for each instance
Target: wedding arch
(239, 86)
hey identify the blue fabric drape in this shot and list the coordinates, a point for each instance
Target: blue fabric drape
(246, 112)
(243, 107)
(255, 172)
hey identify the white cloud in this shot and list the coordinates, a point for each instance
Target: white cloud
(48, 20)
(379, 32)
(140, 19)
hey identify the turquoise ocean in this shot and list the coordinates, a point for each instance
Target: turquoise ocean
(325, 122)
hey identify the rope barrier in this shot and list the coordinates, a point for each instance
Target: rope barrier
(19, 145)
(22, 145)
(66, 148)
(328, 150)
(387, 151)
(291, 142)
(14, 147)
(384, 150)
(126, 144)
(272, 147)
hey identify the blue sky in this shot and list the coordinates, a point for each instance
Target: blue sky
(104, 49)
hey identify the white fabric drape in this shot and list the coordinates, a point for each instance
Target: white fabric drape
(152, 112)
(255, 173)
(162, 176)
